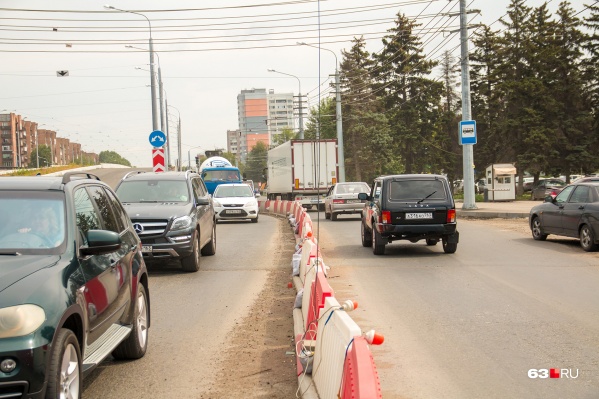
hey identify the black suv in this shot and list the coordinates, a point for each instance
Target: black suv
(73, 284)
(173, 215)
(409, 207)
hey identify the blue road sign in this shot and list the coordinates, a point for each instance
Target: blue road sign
(467, 132)
(157, 138)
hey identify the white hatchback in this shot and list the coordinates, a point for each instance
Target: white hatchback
(234, 202)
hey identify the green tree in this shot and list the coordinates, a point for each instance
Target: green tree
(285, 135)
(366, 135)
(113, 157)
(256, 162)
(322, 121)
(411, 99)
(45, 157)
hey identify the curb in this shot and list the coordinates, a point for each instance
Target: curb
(476, 214)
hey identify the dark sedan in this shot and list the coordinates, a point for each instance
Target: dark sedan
(574, 212)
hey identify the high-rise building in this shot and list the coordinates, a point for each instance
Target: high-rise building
(261, 115)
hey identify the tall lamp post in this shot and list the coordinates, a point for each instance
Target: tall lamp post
(178, 134)
(301, 116)
(189, 155)
(152, 80)
(338, 113)
(161, 96)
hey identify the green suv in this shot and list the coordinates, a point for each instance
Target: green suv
(73, 284)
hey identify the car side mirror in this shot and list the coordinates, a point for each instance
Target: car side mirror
(549, 198)
(203, 201)
(364, 196)
(101, 242)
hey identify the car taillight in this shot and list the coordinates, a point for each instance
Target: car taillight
(338, 201)
(386, 217)
(451, 216)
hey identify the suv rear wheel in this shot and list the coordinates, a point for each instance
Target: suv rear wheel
(366, 236)
(378, 245)
(192, 262)
(449, 247)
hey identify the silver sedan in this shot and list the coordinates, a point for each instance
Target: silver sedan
(343, 198)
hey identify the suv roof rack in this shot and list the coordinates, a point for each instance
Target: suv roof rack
(67, 177)
(135, 172)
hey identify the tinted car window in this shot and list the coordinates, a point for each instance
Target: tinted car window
(105, 208)
(87, 217)
(121, 217)
(581, 194)
(564, 194)
(153, 191)
(416, 190)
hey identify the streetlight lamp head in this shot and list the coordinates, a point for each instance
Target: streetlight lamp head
(302, 43)
(109, 7)
(271, 70)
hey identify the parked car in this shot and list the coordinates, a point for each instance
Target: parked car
(409, 207)
(587, 179)
(527, 183)
(546, 187)
(342, 198)
(574, 212)
(235, 202)
(481, 184)
(73, 284)
(173, 215)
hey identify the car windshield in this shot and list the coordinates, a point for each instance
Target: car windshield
(555, 182)
(153, 191)
(32, 222)
(225, 175)
(233, 191)
(353, 188)
(416, 190)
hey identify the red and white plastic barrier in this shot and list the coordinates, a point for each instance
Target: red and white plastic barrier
(334, 350)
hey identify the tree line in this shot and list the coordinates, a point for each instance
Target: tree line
(534, 96)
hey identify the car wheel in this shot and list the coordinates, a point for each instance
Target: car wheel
(449, 247)
(587, 239)
(192, 262)
(537, 230)
(431, 241)
(378, 246)
(134, 347)
(210, 248)
(326, 214)
(333, 217)
(366, 235)
(64, 378)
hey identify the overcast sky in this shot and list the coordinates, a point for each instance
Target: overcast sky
(208, 51)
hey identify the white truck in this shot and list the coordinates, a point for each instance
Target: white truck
(302, 170)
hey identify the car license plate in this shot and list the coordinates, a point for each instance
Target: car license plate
(353, 201)
(234, 211)
(419, 215)
(315, 200)
(146, 248)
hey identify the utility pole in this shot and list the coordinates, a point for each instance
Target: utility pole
(467, 149)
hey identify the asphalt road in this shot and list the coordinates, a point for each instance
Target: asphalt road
(472, 324)
(193, 315)
(467, 325)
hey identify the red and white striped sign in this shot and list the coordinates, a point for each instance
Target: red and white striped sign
(158, 159)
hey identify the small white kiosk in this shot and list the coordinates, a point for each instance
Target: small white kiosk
(501, 182)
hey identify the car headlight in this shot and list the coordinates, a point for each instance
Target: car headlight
(216, 203)
(251, 203)
(181, 223)
(20, 320)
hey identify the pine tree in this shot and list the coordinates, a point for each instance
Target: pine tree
(411, 99)
(365, 129)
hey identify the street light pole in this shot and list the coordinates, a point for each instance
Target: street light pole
(339, 116)
(300, 108)
(189, 156)
(152, 79)
(178, 133)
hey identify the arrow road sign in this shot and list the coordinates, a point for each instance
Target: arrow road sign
(157, 138)
(62, 73)
(158, 159)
